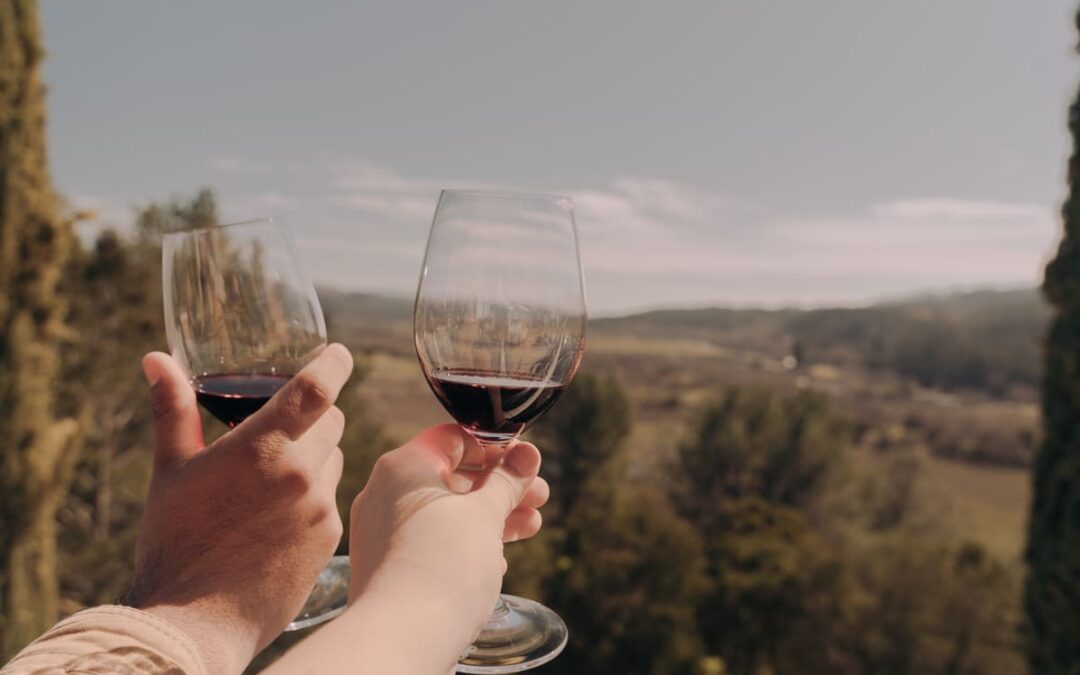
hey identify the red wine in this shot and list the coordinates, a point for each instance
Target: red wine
(495, 407)
(232, 398)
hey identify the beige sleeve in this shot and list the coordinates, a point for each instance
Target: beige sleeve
(109, 639)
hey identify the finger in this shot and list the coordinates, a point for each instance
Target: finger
(522, 524)
(536, 496)
(449, 444)
(177, 428)
(304, 399)
(505, 485)
(321, 439)
(470, 471)
(330, 473)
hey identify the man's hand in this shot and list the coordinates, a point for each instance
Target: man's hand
(234, 534)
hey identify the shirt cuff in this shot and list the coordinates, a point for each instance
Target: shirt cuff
(111, 638)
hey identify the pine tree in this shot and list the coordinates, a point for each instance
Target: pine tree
(1052, 593)
(36, 450)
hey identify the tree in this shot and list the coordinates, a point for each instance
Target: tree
(754, 442)
(770, 574)
(37, 451)
(581, 434)
(1052, 592)
(629, 592)
(114, 290)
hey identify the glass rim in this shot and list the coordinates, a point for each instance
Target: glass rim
(507, 194)
(204, 229)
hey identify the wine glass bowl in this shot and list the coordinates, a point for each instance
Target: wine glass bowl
(241, 315)
(499, 325)
(241, 318)
(500, 309)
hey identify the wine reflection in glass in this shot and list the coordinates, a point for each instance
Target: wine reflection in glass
(499, 325)
(242, 317)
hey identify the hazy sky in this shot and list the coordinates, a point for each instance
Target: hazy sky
(720, 152)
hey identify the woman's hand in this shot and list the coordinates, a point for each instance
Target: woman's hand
(426, 550)
(423, 526)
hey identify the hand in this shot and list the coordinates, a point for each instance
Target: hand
(235, 534)
(424, 529)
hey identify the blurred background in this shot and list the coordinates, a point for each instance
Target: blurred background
(813, 233)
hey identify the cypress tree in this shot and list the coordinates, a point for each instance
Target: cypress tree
(1052, 592)
(36, 449)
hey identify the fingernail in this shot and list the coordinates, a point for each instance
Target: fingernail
(152, 376)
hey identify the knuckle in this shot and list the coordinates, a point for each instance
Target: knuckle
(326, 519)
(312, 393)
(295, 481)
(388, 463)
(334, 527)
(356, 507)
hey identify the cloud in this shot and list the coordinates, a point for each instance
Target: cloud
(358, 176)
(957, 209)
(223, 163)
(276, 200)
(650, 241)
(229, 164)
(241, 207)
(390, 205)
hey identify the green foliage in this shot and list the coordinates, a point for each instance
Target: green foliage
(770, 573)
(583, 432)
(938, 342)
(37, 451)
(629, 591)
(363, 442)
(115, 289)
(935, 341)
(757, 443)
(1052, 593)
(924, 606)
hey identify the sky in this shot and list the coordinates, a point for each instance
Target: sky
(728, 152)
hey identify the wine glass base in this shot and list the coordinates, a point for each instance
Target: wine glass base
(520, 636)
(329, 597)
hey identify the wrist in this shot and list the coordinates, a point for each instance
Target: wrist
(418, 625)
(224, 645)
(467, 596)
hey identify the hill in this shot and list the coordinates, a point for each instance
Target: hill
(984, 340)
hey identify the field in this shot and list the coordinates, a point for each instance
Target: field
(668, 380)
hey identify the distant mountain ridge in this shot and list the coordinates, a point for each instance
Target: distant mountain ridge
(987, 340)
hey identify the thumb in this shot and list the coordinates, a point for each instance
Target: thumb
(506, 484)
(177, 428)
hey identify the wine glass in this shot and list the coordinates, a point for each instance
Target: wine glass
(499, 325)
(242, 317)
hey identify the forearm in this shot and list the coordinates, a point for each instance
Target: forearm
(382, 633)
(110, 639)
